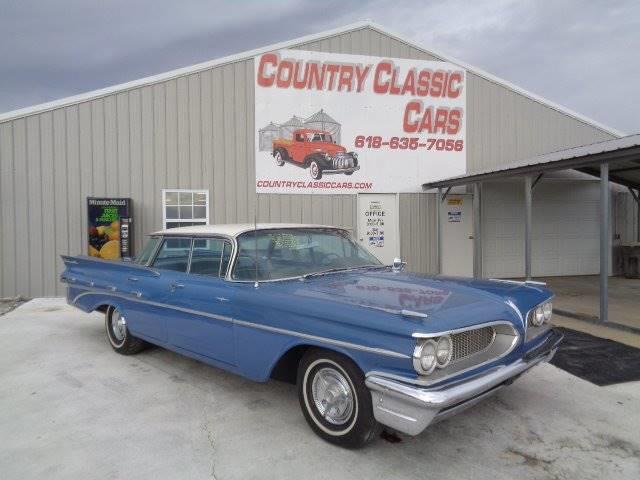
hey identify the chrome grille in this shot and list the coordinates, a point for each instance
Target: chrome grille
(470, 342)
(342, 160)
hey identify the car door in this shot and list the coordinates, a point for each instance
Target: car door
(203, 302)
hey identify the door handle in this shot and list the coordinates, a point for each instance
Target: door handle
(222, 299)
(175, 286)
(132, 279)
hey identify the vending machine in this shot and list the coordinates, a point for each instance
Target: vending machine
(110, 233)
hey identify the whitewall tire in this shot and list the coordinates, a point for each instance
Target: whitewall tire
(334, 399)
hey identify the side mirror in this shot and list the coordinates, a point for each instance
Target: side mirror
(398, 264)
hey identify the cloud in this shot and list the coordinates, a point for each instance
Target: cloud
(579, 54)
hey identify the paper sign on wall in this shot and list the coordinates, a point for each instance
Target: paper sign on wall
(334, 123)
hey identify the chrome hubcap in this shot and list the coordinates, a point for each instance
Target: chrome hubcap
(332, 396)
(314, 170)
(118, 326)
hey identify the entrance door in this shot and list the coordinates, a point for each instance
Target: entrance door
(456, 221)
(378, 227)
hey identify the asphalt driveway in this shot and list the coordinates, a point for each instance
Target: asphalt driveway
(72, 408)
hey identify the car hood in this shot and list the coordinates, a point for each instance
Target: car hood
(330, 148)
(426, 303)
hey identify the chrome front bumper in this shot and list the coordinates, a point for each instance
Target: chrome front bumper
(410, 409)
(330, 171)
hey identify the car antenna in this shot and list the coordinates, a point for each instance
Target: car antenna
(255, 240)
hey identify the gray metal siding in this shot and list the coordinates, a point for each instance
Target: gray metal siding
(197, 131)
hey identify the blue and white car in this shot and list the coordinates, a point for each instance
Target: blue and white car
(367, 344)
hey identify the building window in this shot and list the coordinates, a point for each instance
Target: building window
(183, 208)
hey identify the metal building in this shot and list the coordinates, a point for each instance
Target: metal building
(192, 129)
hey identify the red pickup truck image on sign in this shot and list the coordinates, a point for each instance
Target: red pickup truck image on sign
(317, 151)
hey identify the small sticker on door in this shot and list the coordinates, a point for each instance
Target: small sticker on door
(454, 217)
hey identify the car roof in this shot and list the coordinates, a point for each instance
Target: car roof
(235, 229)
(311, 130)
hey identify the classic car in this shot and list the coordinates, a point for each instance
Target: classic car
(317, 151)
(367, 344)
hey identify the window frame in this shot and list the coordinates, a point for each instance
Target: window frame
(225, 240)
(165, 238)
(183, 220)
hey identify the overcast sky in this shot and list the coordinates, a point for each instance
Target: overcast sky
(581, 54)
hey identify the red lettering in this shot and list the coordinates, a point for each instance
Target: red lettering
(436, 83)
(379, 85)
(454, 88)
(455, 119)
(265, 79)
(440, 123)
(285, 74)
(412, 110)
(361, 75)
(346, 78)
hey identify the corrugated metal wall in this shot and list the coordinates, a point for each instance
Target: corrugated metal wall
(197, 131)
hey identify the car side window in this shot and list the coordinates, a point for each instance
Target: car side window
(210, 257)
(173, 254)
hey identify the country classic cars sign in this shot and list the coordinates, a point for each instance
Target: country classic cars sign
(334, 123)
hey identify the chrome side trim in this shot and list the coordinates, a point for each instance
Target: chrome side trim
(306, 336)
(153, 304)
(340, 343)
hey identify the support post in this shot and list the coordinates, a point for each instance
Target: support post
(439, 221)
(636, 197)
(528, 202)
(477, 232)
(605, 247)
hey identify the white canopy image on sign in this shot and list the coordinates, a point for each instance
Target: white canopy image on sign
(334, 123)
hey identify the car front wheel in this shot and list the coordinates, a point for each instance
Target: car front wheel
(334, 399)
(316, 171)
(118, 333)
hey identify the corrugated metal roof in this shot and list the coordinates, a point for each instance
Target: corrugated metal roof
(84, 97)
(623, 153)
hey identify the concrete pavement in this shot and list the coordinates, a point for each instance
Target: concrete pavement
(72, 408)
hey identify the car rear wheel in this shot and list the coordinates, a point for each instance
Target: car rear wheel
(118, 333)
(334, 399)
(316, 171)
(279, 158)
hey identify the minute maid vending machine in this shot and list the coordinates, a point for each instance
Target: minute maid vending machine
(110, 228)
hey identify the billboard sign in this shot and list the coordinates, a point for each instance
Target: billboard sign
(110, 229)
(335, 123)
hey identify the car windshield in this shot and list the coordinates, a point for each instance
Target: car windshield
(321, 137)
(149, 248)
(286, 253)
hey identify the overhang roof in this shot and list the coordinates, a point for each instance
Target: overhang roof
(622, 154)
(298, 42)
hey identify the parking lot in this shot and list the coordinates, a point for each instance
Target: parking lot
(72, 408)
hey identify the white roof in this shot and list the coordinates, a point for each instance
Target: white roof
(234, 229)
(288, 44)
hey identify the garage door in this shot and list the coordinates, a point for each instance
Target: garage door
(565, 229)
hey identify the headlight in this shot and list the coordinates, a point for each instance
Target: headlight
(444, 350)
(424, 357)
(431, 354)
(541, 314)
